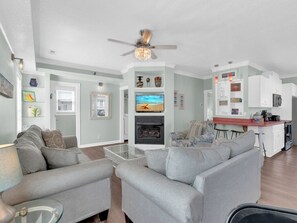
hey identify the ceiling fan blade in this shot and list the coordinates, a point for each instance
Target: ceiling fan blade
(146, 36)
(122, 42)
(130, 52)
(153, 55)
(165, 47)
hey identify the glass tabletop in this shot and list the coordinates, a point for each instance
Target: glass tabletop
(126, 151)
(39, 211)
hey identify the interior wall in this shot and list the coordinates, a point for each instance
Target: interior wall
(289, 80)
(207, 84)
(96, 131)
(7, 105)
(192, 88)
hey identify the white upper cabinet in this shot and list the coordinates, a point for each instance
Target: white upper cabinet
(259, 92)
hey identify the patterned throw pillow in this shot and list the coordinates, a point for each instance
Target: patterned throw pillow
(53, 139)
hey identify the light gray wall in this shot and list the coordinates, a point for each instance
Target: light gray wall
(290, 80)
(96, 131)
(192, 88)
(207, 84)
(7, 105)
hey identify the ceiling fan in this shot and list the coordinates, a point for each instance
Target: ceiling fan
(143, 48)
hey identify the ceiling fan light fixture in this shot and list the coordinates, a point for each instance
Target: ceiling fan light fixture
(143, 53)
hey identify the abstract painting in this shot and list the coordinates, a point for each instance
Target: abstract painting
(6, 88)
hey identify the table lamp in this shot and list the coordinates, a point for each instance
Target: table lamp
(10, 175)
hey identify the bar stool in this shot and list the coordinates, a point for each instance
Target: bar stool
(264, 150)
(236, 133)
(219, 132)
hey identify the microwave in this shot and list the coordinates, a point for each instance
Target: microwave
(277, 100)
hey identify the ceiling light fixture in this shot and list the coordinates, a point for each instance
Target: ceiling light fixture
(21, 61)
(143, 53)
(100, 84)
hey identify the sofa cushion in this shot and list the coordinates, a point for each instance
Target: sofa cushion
(33, 134)
(30, 156)
(156, 160)
(241, 144)
(57, 158)
(185, 164)
(53, 139)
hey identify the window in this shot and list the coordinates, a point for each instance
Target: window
(65, 101)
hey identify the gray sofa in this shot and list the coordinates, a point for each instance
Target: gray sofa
(83, 189)
(148, 196)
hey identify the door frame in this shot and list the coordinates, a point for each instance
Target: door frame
(77, 104)
(122, 111)
(205, 102)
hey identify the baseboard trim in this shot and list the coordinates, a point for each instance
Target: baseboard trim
(100, 144)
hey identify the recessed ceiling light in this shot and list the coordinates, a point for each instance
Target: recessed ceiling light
(52, 52)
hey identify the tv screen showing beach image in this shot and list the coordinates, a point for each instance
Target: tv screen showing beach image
(150, 103)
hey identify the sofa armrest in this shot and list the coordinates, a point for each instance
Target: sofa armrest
(45, 183)
(179, 200)
(70, 141)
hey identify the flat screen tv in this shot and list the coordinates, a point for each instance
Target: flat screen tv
(149, 103)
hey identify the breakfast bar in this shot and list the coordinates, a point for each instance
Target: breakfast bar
(276, 131)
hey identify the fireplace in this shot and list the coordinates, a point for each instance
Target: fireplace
(149, 129)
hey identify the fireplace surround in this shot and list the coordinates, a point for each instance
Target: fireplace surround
(149, 130)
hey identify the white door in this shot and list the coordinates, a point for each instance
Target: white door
(64, 108)
(208, 105)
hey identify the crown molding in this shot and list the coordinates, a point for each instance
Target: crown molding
(146, 64)
(287, 76)
(236, 65)
(43, 60)
(189, 74)
(5, 37)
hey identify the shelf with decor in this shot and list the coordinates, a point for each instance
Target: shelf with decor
(149, 80)
(35, 98)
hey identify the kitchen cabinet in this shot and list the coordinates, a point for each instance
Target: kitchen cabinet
(259, 92)
(273, 138)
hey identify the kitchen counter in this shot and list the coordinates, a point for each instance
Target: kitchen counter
(245, 122)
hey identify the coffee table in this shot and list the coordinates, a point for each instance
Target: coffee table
(124, 153)
(38, 211)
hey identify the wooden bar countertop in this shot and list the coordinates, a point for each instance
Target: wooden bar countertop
(245, 122)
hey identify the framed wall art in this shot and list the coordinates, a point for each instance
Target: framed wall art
(6, 88)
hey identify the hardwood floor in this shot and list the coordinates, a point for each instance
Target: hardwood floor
(278, 183)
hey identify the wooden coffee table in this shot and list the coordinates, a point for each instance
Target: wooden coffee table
(124, 153)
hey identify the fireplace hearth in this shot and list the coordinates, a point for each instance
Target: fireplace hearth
(149, 130)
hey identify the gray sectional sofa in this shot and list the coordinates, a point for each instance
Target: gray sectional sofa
(150, 196)
(83, 189)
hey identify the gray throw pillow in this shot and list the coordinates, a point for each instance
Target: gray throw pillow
(53, 139)
(184, 165)
(32, 134)
(30, 156)
(57, 158)
(156, 160)
(241, 144)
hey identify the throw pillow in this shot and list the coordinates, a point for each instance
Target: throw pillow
(195, 129)
(30, 157)
(185, 164)
(241, 144)
(33, 134)
(156, 160)
(57, 158)
(53, 139)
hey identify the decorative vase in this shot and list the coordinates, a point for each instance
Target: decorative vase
(148, 82)
(33, 82)
(139, 82)
(158, 81)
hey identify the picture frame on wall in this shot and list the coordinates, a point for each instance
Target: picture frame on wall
(175, 98)
(181, 102)
(6, 88)
(28, 96)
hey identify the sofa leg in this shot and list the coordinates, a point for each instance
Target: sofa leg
(103, 215)
(128, 220)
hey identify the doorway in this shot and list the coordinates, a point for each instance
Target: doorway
(124, 113)
(208, 105)
(65, 108)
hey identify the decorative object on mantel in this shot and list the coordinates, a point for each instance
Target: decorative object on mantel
(6, 88)
(139, 82)
(28, 96)
(33, 82)
(158, 81)
(148, 82)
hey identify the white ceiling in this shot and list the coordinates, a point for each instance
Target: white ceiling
(207, 32)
